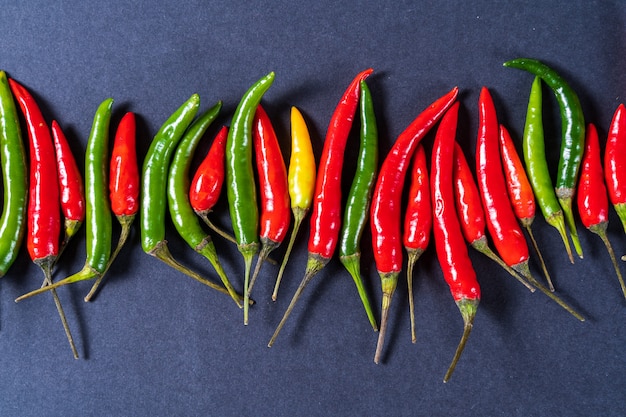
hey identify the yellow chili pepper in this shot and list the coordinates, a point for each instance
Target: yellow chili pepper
(301, 179)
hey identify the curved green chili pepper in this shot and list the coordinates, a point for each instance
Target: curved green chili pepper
(97, 210)
(183, 216)
(240, 178)
(154, 184)
(12, 157)
(535, 159)
(359, 197)
(573, 137)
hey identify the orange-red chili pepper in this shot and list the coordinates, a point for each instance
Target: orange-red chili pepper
(71, 189)
(615, 163)
(207, 182)
(592, 199)
(418, 222)
(385, 213)
(471, 213)
(326, 215)
(123, 185)
(43, 212)
(520, 192)
(452, 254)
(274, 194)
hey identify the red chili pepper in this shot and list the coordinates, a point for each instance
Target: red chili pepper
(471, 213)
(327, 211)
(615, 163)
(206, 185)
(593, 203)
(123, 186)
(43, 212)
(385, 214)
(501, 222)
(275, 204)
(418, 222)
(454, 259)
(71, 189)
(520, 192)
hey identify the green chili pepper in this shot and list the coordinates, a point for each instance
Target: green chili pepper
(183, 216)
(97, 211)
(240, 178)
(153, 188)
(359, 197)
(573, 137)
(12, 157)
(535, 159)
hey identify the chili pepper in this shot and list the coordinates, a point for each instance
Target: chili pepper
(43, 217)
(615, 163)
(98, 212)
(471, 213)
(520, 192)
(501, 221)
(359, 197)
(418, 222)
(592, 199)
(153, 186)
(537, 166)
(385, 214)
(573, 137)
(123, 185)
(71, 189)
(326, 216)
(242, 201)
(206, 184)
(13, 165)
(183, 217)
(301, 182)
(273, 183)
(452, 254)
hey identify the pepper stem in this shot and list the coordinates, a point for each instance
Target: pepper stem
(46, 266)
(267, 246)
(538, 252)
(71, 227)
(204, 215)
(352, 263)
(248, 252)
(414, 255)
(468, 309)
(389, 282)
(126, 223)
(314, 264)
(298, 214)
(162, 252)
(564, 196)
(600, 230)
(557, 221)
(207, 249)
(84, 274)
(481, 246)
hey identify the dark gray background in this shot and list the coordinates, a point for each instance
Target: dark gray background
(158, 343)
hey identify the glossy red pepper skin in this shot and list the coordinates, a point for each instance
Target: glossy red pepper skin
(327, 211)
(451, 248)
(615, 163)
(385, 218)
(501, 222)
(71, 188)
(208, 179)
(592, 198)
(385, 212)
(124, 170)
(43, 220)
(418, 222)
(275, 207)
(275, 204)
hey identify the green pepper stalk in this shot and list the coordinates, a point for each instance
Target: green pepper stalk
(242, 199)
(573, 137)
